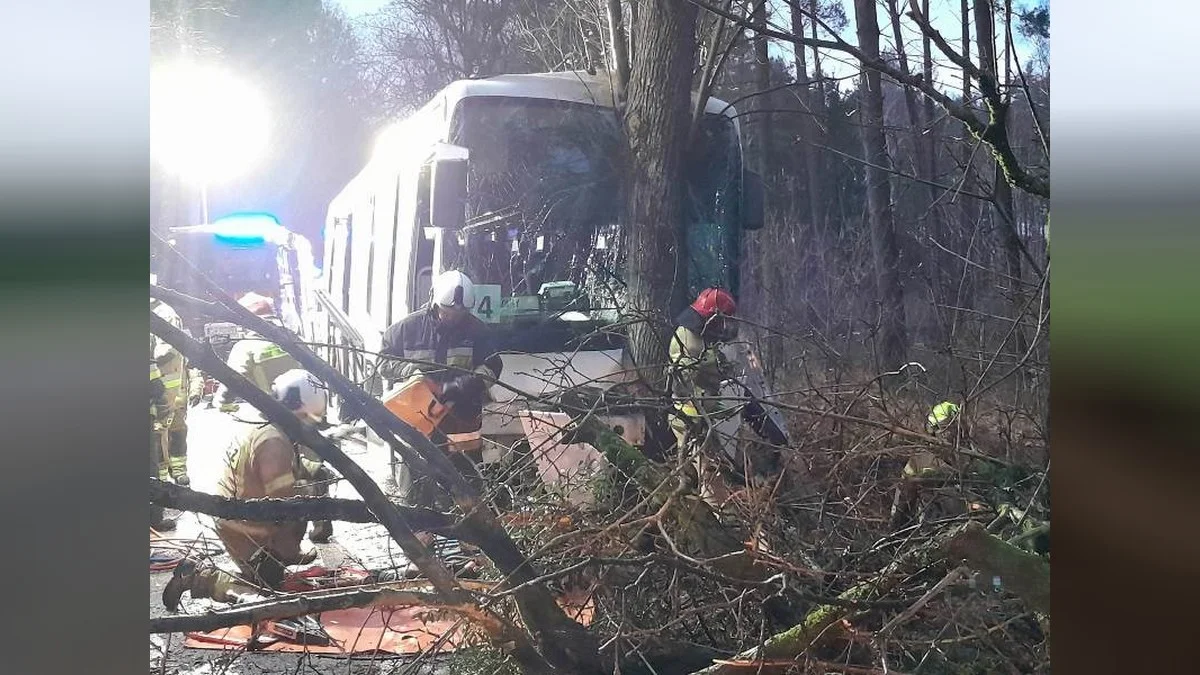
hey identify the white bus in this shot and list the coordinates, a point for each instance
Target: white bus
(517, 180)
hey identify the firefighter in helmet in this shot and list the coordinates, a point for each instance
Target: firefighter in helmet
(262, 362)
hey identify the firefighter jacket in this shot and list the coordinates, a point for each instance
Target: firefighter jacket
(174, 368)
(160, 410)
(420, 337)
(265, 463)
(259, 361)
(697, 367)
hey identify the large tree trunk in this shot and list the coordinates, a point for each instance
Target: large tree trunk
(1002, 194)
(884, 250)
(923, 150)
(762, 82)
(813, 6)
(658, 120)
(813, 98)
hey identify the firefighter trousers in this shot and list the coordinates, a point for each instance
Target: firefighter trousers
(169, 452)
(700, 442)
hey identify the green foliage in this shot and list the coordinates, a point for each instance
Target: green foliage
(1035, 22)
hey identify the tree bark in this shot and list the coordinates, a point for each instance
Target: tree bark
(884, 249)
(762, 81)
(813, 97)
(813, 6)
(1002, 194)
(173, 496)
(923, 148)
(819, 622)
(1026, 574)
(965, 9)
(657, 121)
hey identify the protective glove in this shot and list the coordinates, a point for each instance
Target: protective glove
(229, 407)
(466, 392)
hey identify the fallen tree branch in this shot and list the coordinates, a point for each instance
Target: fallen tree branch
(951, 577)
(292, 606)
(298, 432)
(449, 588)
(173, 496)
(560, 640)
(794, 641)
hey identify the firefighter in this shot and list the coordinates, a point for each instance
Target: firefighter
(698, 370)
(265, 463)
(941, 416)
(445, 332)
(261, 362)
(256, 359)
(175, 378)
(160, 411)
(922, 465)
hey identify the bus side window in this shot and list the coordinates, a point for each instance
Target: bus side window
(348, 260)
(423, 250)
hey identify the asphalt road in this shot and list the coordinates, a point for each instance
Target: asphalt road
(210, 435)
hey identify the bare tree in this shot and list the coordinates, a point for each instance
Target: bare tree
(884, 252)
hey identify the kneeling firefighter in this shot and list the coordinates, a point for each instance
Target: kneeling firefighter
(265, 463)
(442, 346)
(262, 361)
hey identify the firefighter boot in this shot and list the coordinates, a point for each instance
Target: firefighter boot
(322, 531)
(177, 456)
(158, 521)
(205, 580)
(187, 577)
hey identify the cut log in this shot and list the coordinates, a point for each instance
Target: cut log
(1025, 574)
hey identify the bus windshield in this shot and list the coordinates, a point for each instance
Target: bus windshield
(545, 195)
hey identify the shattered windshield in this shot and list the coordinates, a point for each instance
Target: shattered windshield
(544, 187)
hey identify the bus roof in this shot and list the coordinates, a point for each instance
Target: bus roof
(573, 85)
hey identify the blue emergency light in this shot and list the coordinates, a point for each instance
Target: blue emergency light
(247, 229)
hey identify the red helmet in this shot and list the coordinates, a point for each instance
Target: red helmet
(714, 301)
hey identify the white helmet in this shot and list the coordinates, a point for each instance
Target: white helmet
(453, 288)
(300, 391)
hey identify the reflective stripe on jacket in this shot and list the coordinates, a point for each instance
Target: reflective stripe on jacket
(171, 363)
(241, 480)
(259, 361)
(697, 367)
(419, 337)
